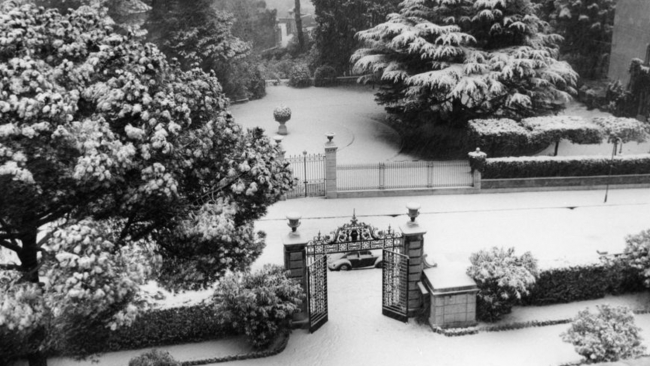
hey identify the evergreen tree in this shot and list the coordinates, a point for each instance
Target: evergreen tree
(450, 61)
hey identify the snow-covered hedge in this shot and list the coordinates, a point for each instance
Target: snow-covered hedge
(636, 255)
(573, 166)
(498, 136)
(580, 283)
(555, 128)
(623, 129)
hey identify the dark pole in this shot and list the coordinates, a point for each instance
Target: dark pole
(611, 165)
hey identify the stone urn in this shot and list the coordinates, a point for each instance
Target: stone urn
(282, 114)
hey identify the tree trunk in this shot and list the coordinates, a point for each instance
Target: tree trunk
(29, 262)
(297, 16)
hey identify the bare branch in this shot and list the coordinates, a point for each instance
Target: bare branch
(11, 245)
(10, 267)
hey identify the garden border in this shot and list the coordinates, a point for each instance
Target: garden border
(283, 341)
(456, 332)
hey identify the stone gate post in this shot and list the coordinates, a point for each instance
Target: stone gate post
(413, 235)
(296, 263)
(330, 167)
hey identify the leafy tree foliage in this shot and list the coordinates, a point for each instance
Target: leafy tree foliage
(587, 27)
(338, 22)
(114, 162)
(254, 23)
(197, 34)
(451, 61)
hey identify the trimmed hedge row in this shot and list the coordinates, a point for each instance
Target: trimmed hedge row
(575, 166)
(579, 283)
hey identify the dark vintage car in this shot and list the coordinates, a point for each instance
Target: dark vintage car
(359, 259)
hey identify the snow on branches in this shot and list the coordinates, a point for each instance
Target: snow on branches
(452, 61)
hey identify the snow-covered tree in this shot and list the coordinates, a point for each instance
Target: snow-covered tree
(113, 160)
(451, 61)
(338, 22)
(196, 33)
(587, 27)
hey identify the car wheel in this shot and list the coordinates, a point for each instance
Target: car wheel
(379, 264)
(344, 267)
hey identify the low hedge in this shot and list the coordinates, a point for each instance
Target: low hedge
(574, 166)
(579, 283)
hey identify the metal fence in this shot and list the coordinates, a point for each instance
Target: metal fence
(309, 173)
(403, 175)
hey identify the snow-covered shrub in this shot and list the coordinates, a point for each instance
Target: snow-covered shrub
(325, 76)
(502, 279)
(552, 129)
(259, 305)
(499, 137)
(571, 166)
(477, 160)
(299, 77)
(609, 335)
(154, 357)
(623, 130)
(636, 255)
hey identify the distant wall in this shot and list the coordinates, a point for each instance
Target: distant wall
(630, 38)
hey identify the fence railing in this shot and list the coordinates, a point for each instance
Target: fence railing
(403, 175)
(309, 173)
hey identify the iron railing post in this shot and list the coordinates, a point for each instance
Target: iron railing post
(304, 159)
(382, 177)
(429, 174)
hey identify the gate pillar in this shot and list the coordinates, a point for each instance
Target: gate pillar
(295, 262)
(413, 235)
(330, 167)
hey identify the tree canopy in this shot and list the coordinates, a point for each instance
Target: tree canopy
(451, 61)
(115, 166)
(338, 22)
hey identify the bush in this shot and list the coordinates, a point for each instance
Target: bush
(259, 305)
(636, 255)
(608, 336)
(623, 130)
(499, 137)
(579, 283)
(557, 166)
(154, 358)
(299, 77)
(502, 279)
(547, 130)
(325, 76)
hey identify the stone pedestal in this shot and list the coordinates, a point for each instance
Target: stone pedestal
(476, 179)
(413, 244)
(452, 297)
(294, 262)
(282, 130)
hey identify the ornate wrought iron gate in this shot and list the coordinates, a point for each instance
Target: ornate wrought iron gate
(317, 285)
(395, 285)
(353, 237)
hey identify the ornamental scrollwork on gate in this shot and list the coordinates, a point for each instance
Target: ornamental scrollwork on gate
(354, 236)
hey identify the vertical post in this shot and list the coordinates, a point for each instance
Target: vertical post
(304, 170)
(413, 247)
(330, 167)
(429, 174)
(295, 262)
(278, 139)
(382, 175)
(476, 177)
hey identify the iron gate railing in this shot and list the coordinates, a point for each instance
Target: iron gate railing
(309, 173)
(395, 274)
(403, 175)
(357, 236)
(317, 285)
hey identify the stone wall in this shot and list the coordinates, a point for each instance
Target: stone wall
(631, 37)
